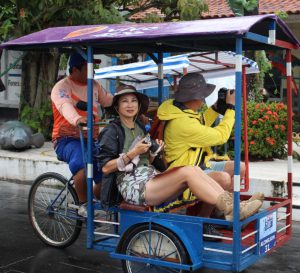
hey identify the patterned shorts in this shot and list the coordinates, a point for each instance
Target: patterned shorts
(132, 185)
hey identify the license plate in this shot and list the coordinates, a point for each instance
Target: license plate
(267, 233)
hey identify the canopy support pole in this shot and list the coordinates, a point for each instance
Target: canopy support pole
(237, 156)
(89, 174)
(288, 59)
(246, 178)
(160, 77)
(159, 61)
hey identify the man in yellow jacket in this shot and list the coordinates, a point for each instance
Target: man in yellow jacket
(188, 134)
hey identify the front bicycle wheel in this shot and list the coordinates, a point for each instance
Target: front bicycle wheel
(157, 244)
(52, 210)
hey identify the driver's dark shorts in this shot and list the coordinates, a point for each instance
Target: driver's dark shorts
(69, 150)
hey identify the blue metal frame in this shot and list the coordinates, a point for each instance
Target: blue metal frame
(160, 78)
(159, 61)
(237, 153)
(188, 229)
(256, 37)
(90, 222)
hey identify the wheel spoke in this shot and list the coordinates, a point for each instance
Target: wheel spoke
(158, 245)
(37, 207)
(148, 245)
(45, 196)
(64, 228)
(130, 251)
(168, 255)
(42, 199)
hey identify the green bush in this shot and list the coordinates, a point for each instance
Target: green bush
(267, 130)
(40, 120)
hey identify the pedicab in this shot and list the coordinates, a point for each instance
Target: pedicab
(144, 240)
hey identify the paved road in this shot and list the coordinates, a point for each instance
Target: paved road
(22, 252)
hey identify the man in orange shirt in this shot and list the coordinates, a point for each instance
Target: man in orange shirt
(69, 97)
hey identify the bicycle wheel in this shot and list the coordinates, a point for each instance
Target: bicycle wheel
(164, 246)
(51, 210)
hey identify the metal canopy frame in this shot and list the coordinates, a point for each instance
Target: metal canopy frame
(235, 34)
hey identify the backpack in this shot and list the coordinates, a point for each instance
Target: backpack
(157, 132)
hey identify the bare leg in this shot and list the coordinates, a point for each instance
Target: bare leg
(205, 209)
(223, 179)
(80, 185)
(166, 186)
(225, 182)
(97, 190)
(229, 168)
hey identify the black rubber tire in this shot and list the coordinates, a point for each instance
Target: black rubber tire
(160, 236)
(55, 225)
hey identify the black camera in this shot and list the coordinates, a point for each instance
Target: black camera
(154, 148)
(222, 94)
(221, 105)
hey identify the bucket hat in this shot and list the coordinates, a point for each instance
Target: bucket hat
(193, 87)
(128, 89)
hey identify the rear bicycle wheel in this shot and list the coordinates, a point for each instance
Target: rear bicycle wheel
(164, 246)
(52, 210)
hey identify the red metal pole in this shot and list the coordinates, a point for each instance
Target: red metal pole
(244, 87)
(288, 59)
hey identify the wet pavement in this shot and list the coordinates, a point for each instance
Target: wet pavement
(22, 252)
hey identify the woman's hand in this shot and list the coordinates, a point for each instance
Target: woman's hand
(141, 147)
(81, 121)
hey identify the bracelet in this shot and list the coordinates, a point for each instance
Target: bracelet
(128, 157)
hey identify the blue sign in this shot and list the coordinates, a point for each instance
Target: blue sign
(267, 233)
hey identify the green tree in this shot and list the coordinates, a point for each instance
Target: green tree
(244, 7)
(254, 82)
(39, 69)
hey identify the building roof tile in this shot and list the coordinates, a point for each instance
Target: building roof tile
(142, 14)
(217, 9)
(271, 6)
(221, 8)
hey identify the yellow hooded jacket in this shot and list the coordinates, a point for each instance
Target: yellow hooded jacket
(188, 134)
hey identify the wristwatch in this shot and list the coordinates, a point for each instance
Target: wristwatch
(230, 106)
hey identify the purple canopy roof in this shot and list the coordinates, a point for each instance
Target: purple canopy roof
(150, 37)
